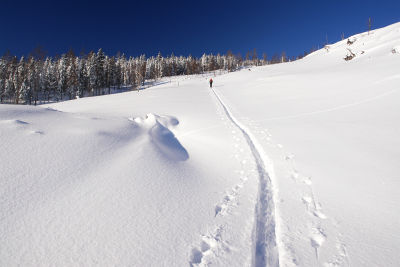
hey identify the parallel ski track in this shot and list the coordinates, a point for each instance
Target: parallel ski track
(265, 250)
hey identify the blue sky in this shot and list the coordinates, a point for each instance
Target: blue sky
(185, 27)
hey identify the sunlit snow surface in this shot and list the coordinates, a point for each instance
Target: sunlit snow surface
(288, 164)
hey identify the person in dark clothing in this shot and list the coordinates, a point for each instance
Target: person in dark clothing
(211, 81)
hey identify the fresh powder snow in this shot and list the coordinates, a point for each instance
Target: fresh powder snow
(292, 164)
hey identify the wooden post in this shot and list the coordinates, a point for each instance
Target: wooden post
(369, 24)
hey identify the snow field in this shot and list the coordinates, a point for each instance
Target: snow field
(292, 164)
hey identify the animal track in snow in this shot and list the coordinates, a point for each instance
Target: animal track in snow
(312, 207)
(317, 234)
(229, 200)
(294, 175)
(319, 214)
(210, 245)
(289, 157)
(307, 181)
(341, 258)
(317, 238)
(307, 200)
(265, 249)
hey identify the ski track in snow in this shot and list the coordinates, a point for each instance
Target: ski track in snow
(212, 244)
(231, 197)
(360, 102)
(317, 233)
(264, 237)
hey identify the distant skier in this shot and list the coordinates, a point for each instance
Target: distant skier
(211, 81)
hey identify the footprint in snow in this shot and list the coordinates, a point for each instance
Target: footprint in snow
(289, 157)
(317, 211)
(312, 207)
(307, 181)
(306, 200)
(319, 214)
(228, 201)
(210, 245)
(294, 175)
(317, 238)
(339, 259)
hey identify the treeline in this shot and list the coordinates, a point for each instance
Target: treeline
(35, 79)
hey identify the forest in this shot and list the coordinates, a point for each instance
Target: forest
(39, 79)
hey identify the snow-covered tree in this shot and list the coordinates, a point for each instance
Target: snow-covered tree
(46, 79)
(62, 68)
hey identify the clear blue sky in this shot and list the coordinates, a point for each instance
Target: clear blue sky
(185, 27)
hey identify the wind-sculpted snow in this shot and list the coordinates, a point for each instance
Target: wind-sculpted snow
(157, 127)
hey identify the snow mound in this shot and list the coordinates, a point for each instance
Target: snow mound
(158, 129)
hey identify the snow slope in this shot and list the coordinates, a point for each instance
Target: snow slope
(126, 180)
(288, 164)
(335, 148)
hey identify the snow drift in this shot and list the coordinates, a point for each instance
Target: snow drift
(157, 128)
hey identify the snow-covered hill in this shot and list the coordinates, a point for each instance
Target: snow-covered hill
(288, 164)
